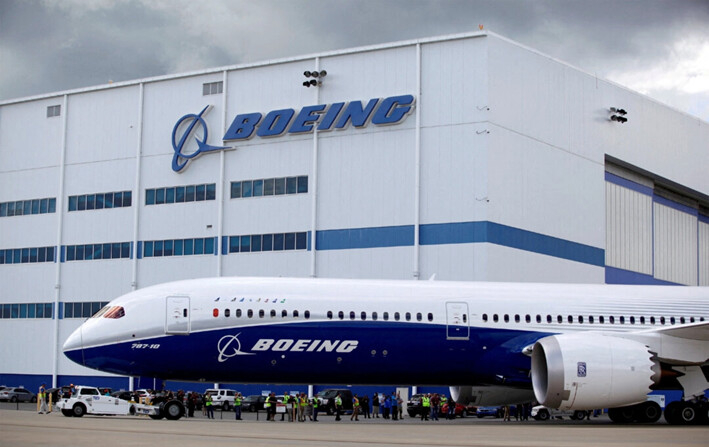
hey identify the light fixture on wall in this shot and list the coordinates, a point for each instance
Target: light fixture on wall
(314, 74)
(618, 115)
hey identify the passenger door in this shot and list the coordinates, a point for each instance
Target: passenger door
(177, 315)
(457, 327)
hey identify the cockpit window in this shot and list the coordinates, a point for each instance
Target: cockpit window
(102, 311)
(115, 312)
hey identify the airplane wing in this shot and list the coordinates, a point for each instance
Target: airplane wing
(692, 331)
(686, 344)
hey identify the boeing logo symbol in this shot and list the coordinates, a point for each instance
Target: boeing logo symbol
(189, 123)
(229, 346)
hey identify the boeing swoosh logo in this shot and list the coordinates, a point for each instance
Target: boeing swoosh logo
(193, 122)
(229, 346)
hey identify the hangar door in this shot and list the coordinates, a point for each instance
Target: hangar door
(457, 321)
(177, 315)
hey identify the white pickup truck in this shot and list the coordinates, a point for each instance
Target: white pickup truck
(88, 400)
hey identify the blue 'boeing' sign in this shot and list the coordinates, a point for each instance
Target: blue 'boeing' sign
(324, 117)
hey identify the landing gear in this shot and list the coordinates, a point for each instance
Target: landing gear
(686, 413)
(645, 412)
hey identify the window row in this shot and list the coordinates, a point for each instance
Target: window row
(84, 309)
(26, 207)
(179, 247)
(27, 255)
(26, 310)
(590, 319)
(268, 242)
(181, 194)
(100, 201)
(212, 88)
(269, 187)
(341, 315)
(91, 252)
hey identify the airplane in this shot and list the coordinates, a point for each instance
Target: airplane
(566, 346)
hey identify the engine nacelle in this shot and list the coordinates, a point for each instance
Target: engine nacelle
(591, 370)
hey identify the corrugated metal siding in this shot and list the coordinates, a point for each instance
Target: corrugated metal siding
(628, 229)
(675, 245)
(703, 254)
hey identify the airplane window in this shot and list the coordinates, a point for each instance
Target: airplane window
(115, 312)
(495, 318)
(539, 318)
(662, 320)
(397, 316)
(408, 316)
(559, 319)
(374, 316)
(601, 319)
(485, 318)
(184, 313)
(363, 315)
(430, 317)
(672, 320)
(528, 318)
(329, 315)
(261, 313)
(611, 319)
(418, 316)
(284, 313)
(642, 320)
(652, 320)
(295, 314)
(701, 318)
(273, 313)
(516, 318)
(250, 313)
(215, 312)
(548, 318)
(227, 312)
(386, 316)
(590, 319)
(306, 314)
(341, 315)
(507, 318)
(352, 315)
(632, 320)
(238, 313)
(465, 318)
(691, 319)
(622, 320)
(581, 319)
(570, 319)
(102, 311)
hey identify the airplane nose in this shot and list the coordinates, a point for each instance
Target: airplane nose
(74, 347)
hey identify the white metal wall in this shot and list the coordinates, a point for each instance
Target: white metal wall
(675, 242)
(628, 229)
(703, 258)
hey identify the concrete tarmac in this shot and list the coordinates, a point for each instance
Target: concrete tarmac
(27, 428)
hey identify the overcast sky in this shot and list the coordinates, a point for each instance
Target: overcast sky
(657, 47)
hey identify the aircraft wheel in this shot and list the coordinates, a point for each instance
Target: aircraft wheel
(648, 412)
(688, 413)
(622, 415)
(542, 415)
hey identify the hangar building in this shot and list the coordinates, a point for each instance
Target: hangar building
(467, 157)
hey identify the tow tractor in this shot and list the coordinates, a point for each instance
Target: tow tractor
(88, 400)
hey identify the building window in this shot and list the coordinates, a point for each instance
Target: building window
(26, 207)
(269, 187)
(212, 88)
(26, 310)
(84, 309)
(94, 252)
(28, 255)
(268, 242)
(181, 194)
(54, 111)
(179, 247)
(99, 201)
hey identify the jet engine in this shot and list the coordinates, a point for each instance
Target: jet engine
(591, 370)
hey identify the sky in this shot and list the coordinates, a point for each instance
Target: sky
(657, 47)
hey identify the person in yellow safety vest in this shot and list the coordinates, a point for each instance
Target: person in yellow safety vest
(208, 406)
(426, 404)
(338, 406)
(302, 403)
(355, 408)
(286, 399)
(316, 402)
(237, 406)
(42, 396)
